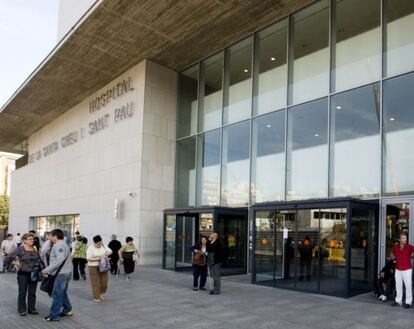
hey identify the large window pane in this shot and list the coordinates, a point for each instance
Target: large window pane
(235, 171)
(265, 247)
(358, 43)
(186, 172)
(398, 129)
(239, 75)
(400, 36)
(355, 138)
(307, 174)
(268, 158)
(187, 111)
(209, 168)
(213, 92)
(272, 81)
(310, 71)
(332, 251)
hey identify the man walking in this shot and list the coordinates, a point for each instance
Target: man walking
(114, 245)
(215, 259)
(403, 271)
(60, 266)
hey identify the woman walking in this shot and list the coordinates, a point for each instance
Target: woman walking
(79, 258)
(200, 263)
(28, 257)
(128, 254)
(96, 254)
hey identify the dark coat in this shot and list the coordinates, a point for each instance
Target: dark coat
(217, 251)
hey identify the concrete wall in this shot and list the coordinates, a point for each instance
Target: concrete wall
(132, 156)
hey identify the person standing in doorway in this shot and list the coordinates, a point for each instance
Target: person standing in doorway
(114, 245)
(215, 259)
(61, 267)
(403, 271)
(200, 264)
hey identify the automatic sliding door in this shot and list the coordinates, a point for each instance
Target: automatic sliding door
(185, 238)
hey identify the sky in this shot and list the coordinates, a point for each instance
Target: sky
(28, 32)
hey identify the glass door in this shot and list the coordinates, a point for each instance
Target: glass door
(396, 219)
(185, 238)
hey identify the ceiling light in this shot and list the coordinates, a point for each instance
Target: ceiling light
(246, 70)
(392, 119)
(269, 126)
(316, 135)
(339, 107)
(272, 59)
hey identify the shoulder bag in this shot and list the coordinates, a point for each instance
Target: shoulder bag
(49, 281)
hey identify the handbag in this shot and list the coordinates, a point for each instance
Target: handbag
(104, 264)
(49, 281)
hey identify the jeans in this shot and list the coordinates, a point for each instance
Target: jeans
(26, 286)
(61, 304)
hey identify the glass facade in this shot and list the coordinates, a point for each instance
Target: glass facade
(69, 224)
(316, 105)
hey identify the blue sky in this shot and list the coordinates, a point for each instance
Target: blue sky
(28, 32)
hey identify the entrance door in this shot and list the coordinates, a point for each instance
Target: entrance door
(185, 238)
(396, 219)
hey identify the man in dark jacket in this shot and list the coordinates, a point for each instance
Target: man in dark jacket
(114, 245)
(215, 259)
(386, 280)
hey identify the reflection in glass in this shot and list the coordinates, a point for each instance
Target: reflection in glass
(362, 260)
(310, 71)
(213, 92)
(358, 43)
(268, 158)
(265, 245)
(169, 242)
(307, 240)
(332, 250)
(239, 73)
(355, 136)
(186, 172)
(399, 37)
(209, 168)
(398, 129)
(184, 240)
(187, 111)
(235, 170)
(272, 68)
(307, 153)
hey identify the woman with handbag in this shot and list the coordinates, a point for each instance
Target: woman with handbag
(128, 254)
(200, 264)
(98, 266)
(27, 257)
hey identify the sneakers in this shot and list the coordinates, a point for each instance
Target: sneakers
(202, 288)
(195, 289)
(34, 312)
(70, 313)
(395, 304)
(23, 313)
(382, 298)
(96, 300)
(407, 306)
(50, 319)
(102, 296)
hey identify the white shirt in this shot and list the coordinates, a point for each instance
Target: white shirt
(18, 239)
(96, 252)
(7, 246)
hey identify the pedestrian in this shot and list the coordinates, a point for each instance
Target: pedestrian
(79, 258)
(200, 264)
(215, 259)
(128, 254)
(27, 258)
(403, 271)
(386, 280)
(99, 280)
(114, 245)
(46, 248)
(18, 239)
(8, 245)
(36, 242)
(61, 268)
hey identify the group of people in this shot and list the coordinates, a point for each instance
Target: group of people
(54, 262)
(397, 275)
(208, 257)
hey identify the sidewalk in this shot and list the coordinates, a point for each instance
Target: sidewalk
(155, 298)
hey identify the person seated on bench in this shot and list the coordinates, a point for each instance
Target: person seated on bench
(386, 280)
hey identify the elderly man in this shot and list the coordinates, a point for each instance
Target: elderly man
(7, 247)
(215, 259)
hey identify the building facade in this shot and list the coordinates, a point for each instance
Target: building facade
(289, 133)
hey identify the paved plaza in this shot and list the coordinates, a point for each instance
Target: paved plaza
(155, 298)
